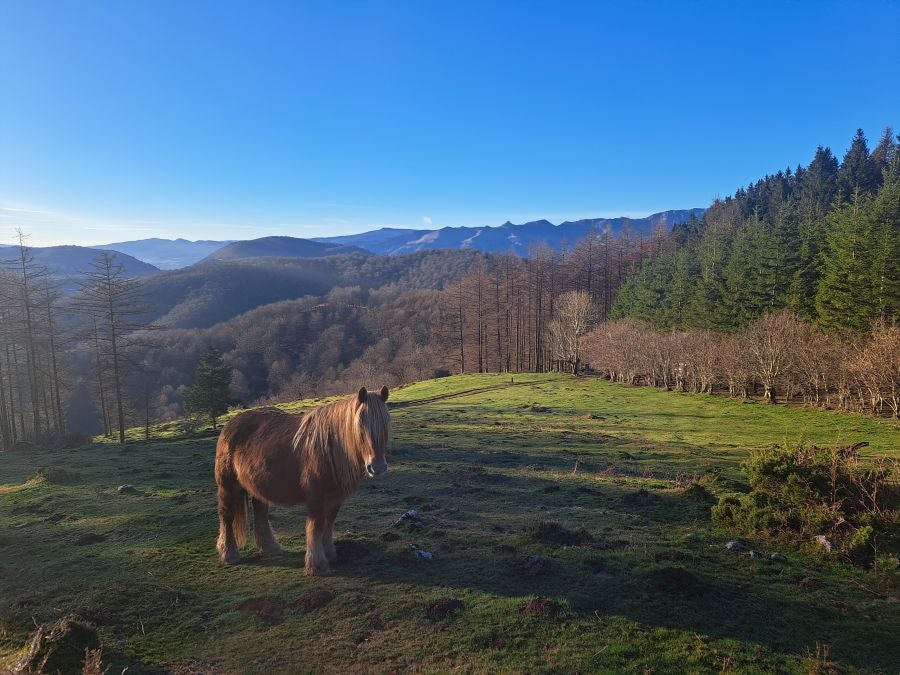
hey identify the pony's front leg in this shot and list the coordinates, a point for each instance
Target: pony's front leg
(316, 560)
(328, 536)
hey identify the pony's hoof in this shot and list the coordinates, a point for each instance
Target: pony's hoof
(231, 560)
(272, 552)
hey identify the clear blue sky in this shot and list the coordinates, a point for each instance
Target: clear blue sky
(123, 120)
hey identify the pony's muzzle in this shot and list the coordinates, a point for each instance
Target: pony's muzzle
(376, 469)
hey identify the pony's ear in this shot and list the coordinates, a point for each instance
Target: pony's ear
(383, 393)
(362, 395)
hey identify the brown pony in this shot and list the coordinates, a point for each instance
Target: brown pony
(319, 458)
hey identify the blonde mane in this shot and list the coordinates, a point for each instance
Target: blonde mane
(335, 438)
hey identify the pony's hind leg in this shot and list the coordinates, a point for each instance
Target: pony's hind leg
(316, 560)
(266, 540)
(232, 519)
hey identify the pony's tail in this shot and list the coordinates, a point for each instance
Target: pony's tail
(233, 498)
(239, 525)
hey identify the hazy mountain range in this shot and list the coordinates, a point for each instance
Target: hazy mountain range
(507, 237)
(145, 257)
(169, 254)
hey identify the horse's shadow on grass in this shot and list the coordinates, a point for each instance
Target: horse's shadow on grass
(676, 585)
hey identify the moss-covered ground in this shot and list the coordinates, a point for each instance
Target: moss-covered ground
(637, 578)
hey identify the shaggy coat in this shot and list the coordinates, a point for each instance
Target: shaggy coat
(320, 459)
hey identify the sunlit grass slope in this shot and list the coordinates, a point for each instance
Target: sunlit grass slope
(648, 584)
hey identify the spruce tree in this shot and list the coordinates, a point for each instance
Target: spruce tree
(886, 244)
(210, 392)
(846, 295)
(857, 173)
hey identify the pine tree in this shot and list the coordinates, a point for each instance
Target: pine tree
(210, 393)
(886, 253)
(857, 173)
(846, 295)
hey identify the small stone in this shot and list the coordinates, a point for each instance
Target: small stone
(778, 557)
(692, 536)
(420, 553)
(823, 541)
(126, 488)
(756, 554)
(735, 546)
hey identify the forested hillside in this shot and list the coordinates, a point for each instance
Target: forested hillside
(788, 289)
(822, 240)
(208, 293)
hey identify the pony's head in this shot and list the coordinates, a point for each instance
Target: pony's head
(375, 424)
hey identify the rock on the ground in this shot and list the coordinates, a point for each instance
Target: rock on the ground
(756, 554)
(419, 553)
(59, 647)
(735, 546)
(778, 557)
(126, 488)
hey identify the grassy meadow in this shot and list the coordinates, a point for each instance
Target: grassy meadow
(635, 577)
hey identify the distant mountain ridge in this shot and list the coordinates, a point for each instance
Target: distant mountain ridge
(508, 237)
(281, 247)
(180, 253)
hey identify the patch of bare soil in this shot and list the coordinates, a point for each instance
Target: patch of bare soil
(677, 579)
(267, 609)
(442, 608)
(540, 607)
(553, 533)
(312, 601)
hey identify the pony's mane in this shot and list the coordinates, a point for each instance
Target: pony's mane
(333, 437)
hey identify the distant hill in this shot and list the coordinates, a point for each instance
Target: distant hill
(507, 237)
(214, 291)
(167, 254)
(281, 247)
(65, 262)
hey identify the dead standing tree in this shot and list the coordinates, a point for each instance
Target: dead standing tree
(575, 315)
(113, 310)
(771, 343)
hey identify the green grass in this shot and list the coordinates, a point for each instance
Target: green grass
(483, 465)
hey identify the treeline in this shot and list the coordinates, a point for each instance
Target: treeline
(33, 381)
(778, 356)
(50, 344)
(821, 240)
(502, 314)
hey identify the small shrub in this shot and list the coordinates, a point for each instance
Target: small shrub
(808, 491)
